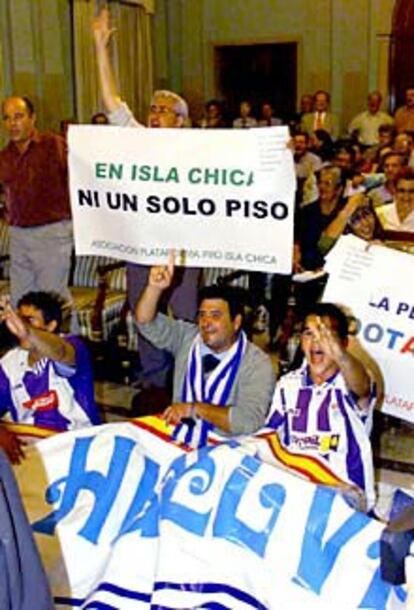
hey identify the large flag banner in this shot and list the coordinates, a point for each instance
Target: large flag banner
(223, 197)
(126, 519)
(376, 285)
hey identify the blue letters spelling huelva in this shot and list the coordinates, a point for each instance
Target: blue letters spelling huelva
(104, 487)
(318, 556)
(227, 525)
(142, 515)
(202, 475)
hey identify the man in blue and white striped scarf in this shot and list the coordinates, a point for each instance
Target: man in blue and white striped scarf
(222, 382)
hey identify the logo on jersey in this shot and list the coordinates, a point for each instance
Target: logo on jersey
(44, 402)
(324, 443)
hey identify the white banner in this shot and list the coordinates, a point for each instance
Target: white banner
(226, 197)
(125, 519)
(376, 285)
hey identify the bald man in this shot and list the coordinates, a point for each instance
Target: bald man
(33, 172)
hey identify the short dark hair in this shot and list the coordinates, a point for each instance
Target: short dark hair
(300, 132)
(393, 153)
(326, 94)
(214, 102)
(99, 118)
(345, 147)
(387, 128)
(236, 298)
(333, 312)
(49, 303)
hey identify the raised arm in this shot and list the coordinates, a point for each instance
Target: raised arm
(159, 279)
(353, 371)
(335, 229)
(102, 33)
(43, 342)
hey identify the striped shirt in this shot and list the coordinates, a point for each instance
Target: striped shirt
(324, 421)
(48, 393)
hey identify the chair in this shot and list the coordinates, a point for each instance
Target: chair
(98, 288)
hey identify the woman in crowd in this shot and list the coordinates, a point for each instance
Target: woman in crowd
(357, 217)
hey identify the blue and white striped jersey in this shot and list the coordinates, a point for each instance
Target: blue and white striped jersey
(325, 421)
(48, 394)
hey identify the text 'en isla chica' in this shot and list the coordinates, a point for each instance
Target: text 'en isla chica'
(218, 176)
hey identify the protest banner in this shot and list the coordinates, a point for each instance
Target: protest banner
(224, 197)
(126, 519)
(375, 285)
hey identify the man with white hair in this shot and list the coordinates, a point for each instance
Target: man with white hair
(168, 110)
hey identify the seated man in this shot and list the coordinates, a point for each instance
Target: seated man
(222, 382)
(324, 408)
(46, 380)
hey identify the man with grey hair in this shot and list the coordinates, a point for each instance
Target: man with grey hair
(365, 125)
(168, 110)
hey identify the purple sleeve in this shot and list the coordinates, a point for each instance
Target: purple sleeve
(81, 378)
(5, 395)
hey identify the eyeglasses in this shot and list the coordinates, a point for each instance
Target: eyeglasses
(161, 109)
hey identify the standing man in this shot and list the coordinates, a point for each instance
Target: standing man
(267, 118)
(33, 172)
(245, 120)
(168, 110)
(321, 118)
(404, 115)
(365, 125)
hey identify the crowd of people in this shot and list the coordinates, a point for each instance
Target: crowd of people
(362, 183)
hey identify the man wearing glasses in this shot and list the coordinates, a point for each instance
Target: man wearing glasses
(167, 110)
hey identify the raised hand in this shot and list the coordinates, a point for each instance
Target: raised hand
(13, 321)
(101, 28)
(329, 340)
(354, 202)
(161, 276)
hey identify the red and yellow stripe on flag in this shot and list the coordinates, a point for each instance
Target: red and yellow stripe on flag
(309, 467)
(28, 430)
(157, 425)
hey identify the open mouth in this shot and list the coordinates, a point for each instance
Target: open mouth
(317, 356)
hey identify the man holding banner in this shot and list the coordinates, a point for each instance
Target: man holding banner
(167, 110)
(324, 408)
(222, 381)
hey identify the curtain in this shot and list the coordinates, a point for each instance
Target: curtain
(131, 51)
(35, 56)
(401, 61)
